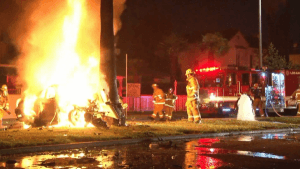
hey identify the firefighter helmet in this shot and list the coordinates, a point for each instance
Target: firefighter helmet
(154, 85)
(4, 87)
(189, 71)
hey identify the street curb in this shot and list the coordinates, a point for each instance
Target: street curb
(132, 141)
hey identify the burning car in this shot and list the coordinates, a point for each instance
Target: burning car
(99, 112)
(44, 108)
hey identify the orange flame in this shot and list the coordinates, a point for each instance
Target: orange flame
(56, 60)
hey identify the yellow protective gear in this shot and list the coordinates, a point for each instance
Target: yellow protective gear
(4, 87)
(192, 90)
(4, 104)
(154, 85)
(159, 101)
(189, 71)
(170, 104)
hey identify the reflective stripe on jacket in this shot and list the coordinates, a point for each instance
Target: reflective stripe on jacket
(170, 99)
(192, 88)
(158, 96)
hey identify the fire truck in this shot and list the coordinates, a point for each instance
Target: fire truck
(221, 88)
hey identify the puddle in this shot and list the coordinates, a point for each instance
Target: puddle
(262, 155)
(274, 136)
(199, 153)
(209, 151)
(203, 143)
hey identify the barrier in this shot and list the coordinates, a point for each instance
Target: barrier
(145, 103)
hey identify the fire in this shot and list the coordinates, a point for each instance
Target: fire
(60, 67)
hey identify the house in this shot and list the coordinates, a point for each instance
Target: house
(243, 53)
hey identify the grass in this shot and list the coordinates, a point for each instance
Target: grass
(35, 137)
(288, 120)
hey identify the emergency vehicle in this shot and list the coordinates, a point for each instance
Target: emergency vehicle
(221, 88)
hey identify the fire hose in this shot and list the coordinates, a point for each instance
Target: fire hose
(274, 109)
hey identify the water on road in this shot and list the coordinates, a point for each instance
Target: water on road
(278, 150)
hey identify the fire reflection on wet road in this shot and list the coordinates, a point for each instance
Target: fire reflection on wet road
(201, 153)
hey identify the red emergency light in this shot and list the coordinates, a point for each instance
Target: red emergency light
(208, 69)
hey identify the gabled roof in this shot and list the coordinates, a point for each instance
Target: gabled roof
(229, 33)
(254, 42)
(197, 36)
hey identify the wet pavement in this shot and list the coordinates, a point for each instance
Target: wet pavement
(278, 150)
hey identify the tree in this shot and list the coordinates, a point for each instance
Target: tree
(108, 60)
(215, 44)
(172, 45)
(274, 60)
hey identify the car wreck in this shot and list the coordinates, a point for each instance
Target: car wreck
(44, 110)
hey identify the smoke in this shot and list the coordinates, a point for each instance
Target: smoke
(119, 6)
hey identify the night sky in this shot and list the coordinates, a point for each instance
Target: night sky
(197, 15)
(145, 23)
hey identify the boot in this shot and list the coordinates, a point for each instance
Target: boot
(198, 122)
(151, 118)
(169, 119)
(1, 126)
(162, 119)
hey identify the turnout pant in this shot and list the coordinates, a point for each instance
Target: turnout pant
(192, 110)
(298, 105)
(169, 112)
(257, 104)
(1, 115)
(158, 108)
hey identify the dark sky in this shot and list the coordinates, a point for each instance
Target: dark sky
(295, 20)
(187, 16)
(193, 15)
(146, 22)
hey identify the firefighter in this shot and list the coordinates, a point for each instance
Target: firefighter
(257, 100)
(296, 95)
(4, 105)
(170, 104)
(159, 101)
(192, 90)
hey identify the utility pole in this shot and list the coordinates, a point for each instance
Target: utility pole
(107, 59)
(260, 35)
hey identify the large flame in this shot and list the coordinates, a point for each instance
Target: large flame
(59, 59)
